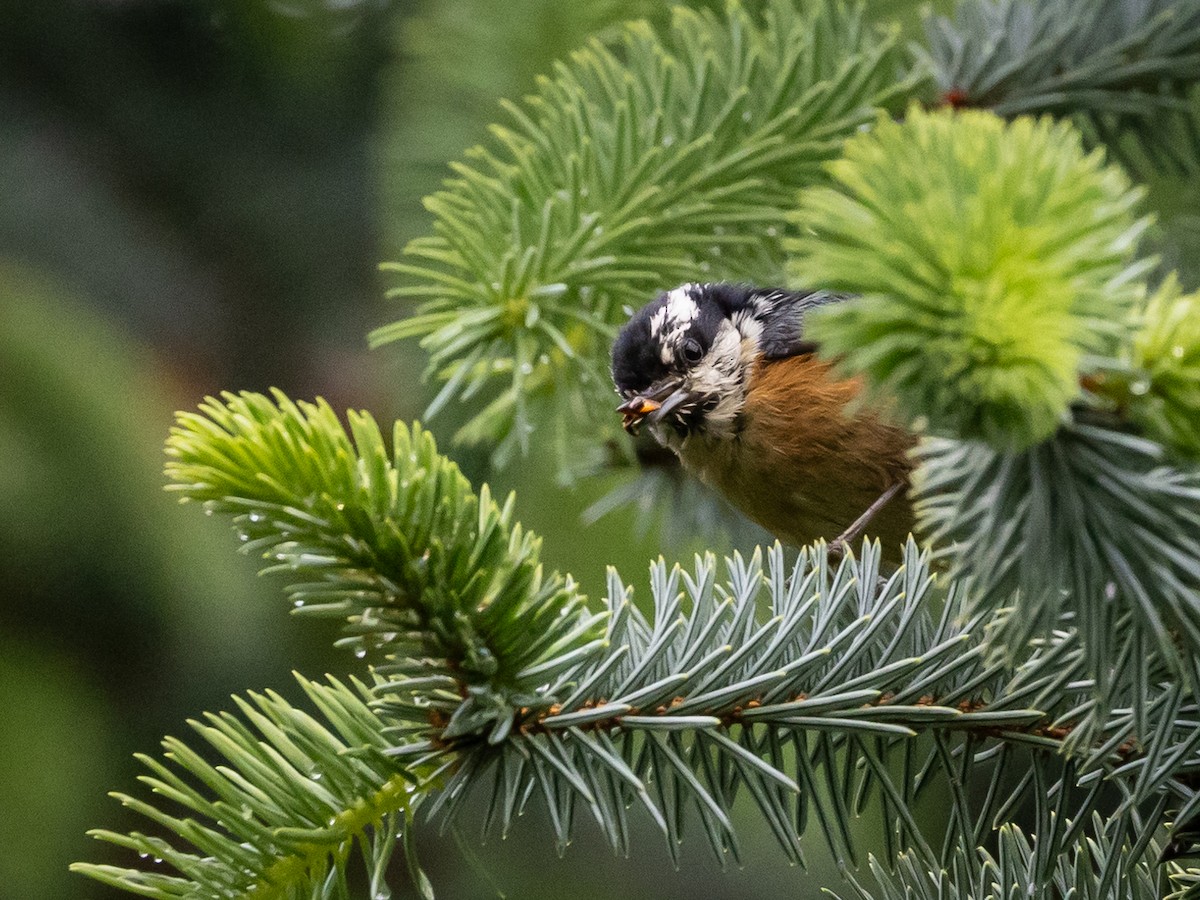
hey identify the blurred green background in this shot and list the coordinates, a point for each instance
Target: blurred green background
(196, 194)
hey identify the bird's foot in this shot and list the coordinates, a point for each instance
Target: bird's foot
(840, 544)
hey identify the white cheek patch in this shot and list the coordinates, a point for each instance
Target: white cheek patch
(722, 374)
(725, 353)
(749, 326)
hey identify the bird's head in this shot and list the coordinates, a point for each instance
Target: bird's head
(683, 362)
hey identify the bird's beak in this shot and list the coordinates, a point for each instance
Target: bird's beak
(655, 404)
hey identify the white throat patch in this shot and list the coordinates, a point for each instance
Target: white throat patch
(721, 376)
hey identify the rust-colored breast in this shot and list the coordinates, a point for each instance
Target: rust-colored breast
(808, 460)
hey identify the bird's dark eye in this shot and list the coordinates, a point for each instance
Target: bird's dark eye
(692, 351)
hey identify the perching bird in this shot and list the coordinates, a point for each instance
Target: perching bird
(725, 378)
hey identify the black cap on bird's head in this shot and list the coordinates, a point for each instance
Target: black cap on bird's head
(657, 350)
(685, 359)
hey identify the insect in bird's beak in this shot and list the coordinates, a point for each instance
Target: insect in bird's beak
(654, 404)
(633, 411)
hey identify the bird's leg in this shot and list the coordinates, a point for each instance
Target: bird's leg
(838, 545)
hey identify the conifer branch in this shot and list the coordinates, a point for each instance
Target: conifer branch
(282, 813)
(783, 679)
(992, 260)
(1129, 57)
(1092, 523)
(1010, 322)
(1170, 149)
(393, 543)
(1059, 468)
(654, 162)
(777, 681)
(1103, 867)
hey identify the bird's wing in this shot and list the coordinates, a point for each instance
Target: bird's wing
(783, 313)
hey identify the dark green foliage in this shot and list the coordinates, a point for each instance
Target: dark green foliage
(1093, 522)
